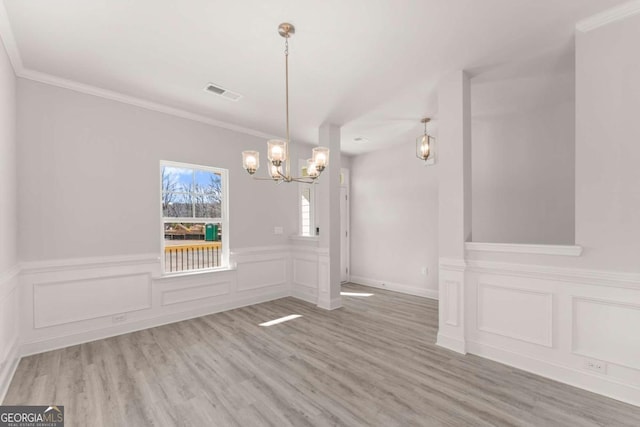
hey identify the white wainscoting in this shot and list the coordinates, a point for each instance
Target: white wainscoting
(521, 314)
(70, 302)
(395, 287)
(451, 289)
(304, 283)
(9, 306)
(549, 321)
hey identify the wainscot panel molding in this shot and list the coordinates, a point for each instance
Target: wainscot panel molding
(68, 302)
(553, 322)
(304, 284)
(573, 275)
(396, 287)
(516, 248)
(9, 314)
(593, 335)
(521, 314)
(50, 266)
(548, 368)
(451, 290)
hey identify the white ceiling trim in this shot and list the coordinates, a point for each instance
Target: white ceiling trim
(138, 102)
(608, 16)
(6, 34)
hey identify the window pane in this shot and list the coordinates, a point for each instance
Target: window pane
(208, 194)
(209, 182)
(208, 210)
(176, 179)
(192, 246)
(177, 205)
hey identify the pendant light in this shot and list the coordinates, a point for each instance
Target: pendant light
(278, 150)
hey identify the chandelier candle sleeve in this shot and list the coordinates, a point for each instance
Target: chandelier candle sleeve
(251, 161)
(312, 171)
(275, 171)
(321, 158)
(277, 152)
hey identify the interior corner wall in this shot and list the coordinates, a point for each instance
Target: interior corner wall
(8, 189)
(607, 148)
(394, 221)
(89, 176)
(523, 160)
(9, 295)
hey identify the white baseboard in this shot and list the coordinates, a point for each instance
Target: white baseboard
(8, 369)
(34, 347)
(592, 382)
(395, 287)
(301, 293)
(453, 344)
(333, 304)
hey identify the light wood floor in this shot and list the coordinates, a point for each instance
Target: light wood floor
(371, 363)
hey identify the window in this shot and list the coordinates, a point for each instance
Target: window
(194, 217)
(306, 205)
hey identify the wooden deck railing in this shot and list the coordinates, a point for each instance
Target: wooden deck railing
(192, 256)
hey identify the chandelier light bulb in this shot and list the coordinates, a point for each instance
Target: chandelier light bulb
(424, 142)
(251, 161)
(312, 170)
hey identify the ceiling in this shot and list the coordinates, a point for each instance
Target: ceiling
(371, 66)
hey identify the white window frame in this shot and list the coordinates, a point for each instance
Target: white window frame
(223, 221)
(312, 203)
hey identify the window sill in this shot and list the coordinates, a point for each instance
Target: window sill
(168, 276)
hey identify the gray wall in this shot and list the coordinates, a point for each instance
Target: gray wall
(608, 146)
(523, 156)
(394, 218)
(89, 176)
(9, 294)
(8, 201)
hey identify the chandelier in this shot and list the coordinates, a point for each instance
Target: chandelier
(278, 150)
(424, 143)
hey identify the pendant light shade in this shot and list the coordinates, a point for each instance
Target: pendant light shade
(276, 151)
(251, 161)
(424, 143)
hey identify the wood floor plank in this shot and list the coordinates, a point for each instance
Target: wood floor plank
(371, 363)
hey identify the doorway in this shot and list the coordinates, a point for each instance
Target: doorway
(344, 225)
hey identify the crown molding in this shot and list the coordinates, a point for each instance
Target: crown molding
(137, 102)
(8, 39)
(6, 34)
(608, 16)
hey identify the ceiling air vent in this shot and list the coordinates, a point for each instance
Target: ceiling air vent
(220, 91)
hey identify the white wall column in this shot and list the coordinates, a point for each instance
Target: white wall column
(329, 221)
(454, 205)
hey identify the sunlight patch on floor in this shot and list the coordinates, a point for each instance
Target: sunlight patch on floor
(280, 320)
(355, 294)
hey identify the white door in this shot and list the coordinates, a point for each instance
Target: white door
(344, 227)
